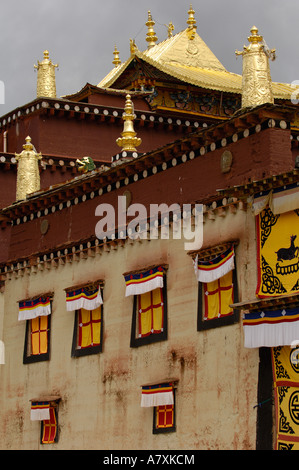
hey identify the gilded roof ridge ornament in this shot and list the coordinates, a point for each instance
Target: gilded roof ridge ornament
(46, 83)
(28, 178)
(116, 61)
(170, 29)
(133, 47)
(128, 140)
(256, 76)
(191, 22)
(151, 37)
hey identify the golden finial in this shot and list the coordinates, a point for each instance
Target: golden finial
(170, 29)
(256, 76)
(46, 83)
(116, 60)
(151, 35)
(128, 140)
(28, 179)
(191, 22)
(255, 37)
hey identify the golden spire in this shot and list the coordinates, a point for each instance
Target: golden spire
(128, 141)
(151, 35)
(46, 84)
(256, 76)
(116, 60)
(28, 179)
(191, 22)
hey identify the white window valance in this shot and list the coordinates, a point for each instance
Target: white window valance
(157, 395)
(144, 281)
(40, 410)
(214, 268)
(37, 307)
(88, 297)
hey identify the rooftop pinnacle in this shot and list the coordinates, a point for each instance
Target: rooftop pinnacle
(191, 22)
(151, 35)
(128, 140)
(46, 83)
(256, 76)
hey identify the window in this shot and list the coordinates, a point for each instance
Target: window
(217, 289)
(46, 411)
(37, 313)
(162, 398)
(164, 419)
(87, 337)
(151, 312)
(49, 427)
(37, 339)
(87, 302)
(149, 319)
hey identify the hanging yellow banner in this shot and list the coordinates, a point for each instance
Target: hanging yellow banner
(285, 362)
(277, 253)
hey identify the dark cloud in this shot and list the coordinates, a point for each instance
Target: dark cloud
(81, 36)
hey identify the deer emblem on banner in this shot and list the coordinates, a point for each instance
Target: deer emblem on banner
(284, 255)
(278, 253)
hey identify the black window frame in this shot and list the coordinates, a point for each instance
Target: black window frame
(155, 337)
(216, 322)
(75, 352)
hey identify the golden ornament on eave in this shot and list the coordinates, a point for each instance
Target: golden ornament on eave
(28, 178)
(46, 82)
(128, 140)
(256, 76)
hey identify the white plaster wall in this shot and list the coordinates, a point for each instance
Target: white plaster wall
(100, 394)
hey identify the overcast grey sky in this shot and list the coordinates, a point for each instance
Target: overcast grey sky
(80, 35)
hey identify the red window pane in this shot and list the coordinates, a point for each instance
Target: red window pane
(49, 428)
(165, 416)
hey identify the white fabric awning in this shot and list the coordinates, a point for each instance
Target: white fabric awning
(29, 309)
(280, 200)
(271, 328)
(83, 297)
(157, 395)
(145, 281)
(213, 269)
(40, 411)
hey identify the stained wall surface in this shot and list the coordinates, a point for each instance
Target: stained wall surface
(100, 394)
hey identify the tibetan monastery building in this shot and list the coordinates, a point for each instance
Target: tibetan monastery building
(149, 270)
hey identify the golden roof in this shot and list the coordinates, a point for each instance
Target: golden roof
(186, 57)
